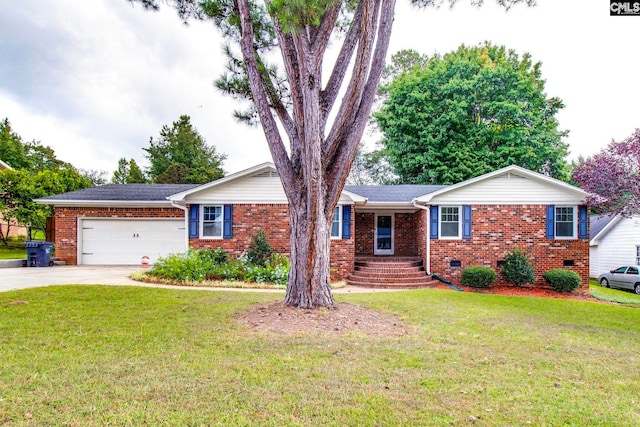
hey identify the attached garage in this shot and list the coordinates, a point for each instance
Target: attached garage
(118, 224)
(125, 241)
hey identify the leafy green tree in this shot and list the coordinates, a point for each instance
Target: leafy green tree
(182, 145)
(19, 188)
(403, 61)
(128, 172)
(470, 112)
(12, 150)
(37, 172)
(96, 176)
(322, 119)
(371, 168)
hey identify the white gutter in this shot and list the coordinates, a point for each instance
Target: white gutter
(186, 223)
(427, 235)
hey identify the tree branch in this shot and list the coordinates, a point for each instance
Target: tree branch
(330, 93)
(270, 128)
(353, 95)
(338, 171)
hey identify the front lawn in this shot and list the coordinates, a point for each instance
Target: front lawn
(100, 355)
(613, 295)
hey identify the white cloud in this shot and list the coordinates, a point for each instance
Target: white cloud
(94, 80)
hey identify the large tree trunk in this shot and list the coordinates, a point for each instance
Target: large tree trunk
(314, 169)
(309, 281)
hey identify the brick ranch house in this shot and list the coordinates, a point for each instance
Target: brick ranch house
(444, 228)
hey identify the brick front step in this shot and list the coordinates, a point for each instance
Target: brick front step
(390, 273)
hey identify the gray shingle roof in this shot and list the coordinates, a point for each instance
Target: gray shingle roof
(124, 192)
(392, 193)
(160, 192)
(599, 222)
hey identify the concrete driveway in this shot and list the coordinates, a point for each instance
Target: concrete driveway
(33, 277)
(22, 277)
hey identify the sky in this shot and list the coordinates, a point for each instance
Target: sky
(95, 80)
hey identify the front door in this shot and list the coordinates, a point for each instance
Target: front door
(384, 235)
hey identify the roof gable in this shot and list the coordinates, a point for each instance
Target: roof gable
(3, 165)
(259, 184)
(510, 185)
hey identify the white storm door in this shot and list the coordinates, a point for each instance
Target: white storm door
(383, 240)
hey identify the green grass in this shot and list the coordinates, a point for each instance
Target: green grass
(14, 250)
(99, 355)
(613, 295)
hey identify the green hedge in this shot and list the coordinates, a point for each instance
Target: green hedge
(562, 280)
(478, 276)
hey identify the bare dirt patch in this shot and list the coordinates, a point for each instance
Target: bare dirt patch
(347, 318)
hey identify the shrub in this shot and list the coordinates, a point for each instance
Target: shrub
(259, 251)
(478, 276)
(213, 256)
(517, 268)
(187, 267)
(562, 280)
(215, 264)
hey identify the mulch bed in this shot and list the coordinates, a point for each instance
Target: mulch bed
(533, 291)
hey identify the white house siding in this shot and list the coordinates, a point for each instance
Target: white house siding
(510, 189)
(258, 189)
(615, 248)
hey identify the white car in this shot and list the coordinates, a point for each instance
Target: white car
(627, 277)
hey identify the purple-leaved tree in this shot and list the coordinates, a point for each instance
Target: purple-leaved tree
(613, 177)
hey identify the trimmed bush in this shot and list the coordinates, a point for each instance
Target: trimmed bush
(562, 280)
(517, 268)
(478, 276)
(259, 251)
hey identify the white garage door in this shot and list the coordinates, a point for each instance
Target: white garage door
(126, 241)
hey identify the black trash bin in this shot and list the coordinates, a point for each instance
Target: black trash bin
(38, 253)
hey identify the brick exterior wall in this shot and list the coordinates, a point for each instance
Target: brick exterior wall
(274, 220)
(66, 224)
(247, 220)
(497, 229)
(407, 242)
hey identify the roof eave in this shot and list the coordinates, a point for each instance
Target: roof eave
(596, 239)
(106, 203)
(389, 205)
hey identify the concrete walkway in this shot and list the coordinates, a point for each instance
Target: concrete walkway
(32, 277)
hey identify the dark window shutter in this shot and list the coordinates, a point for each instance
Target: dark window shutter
(194, 212)
(227, 228)
(551, 221)
(433, 224)
(466, 222)
(346, 222)
(583, 221)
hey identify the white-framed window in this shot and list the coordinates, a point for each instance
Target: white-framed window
(212, 221)
(638, 254)
(336, 224)
(565, 222)
(450, 223)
